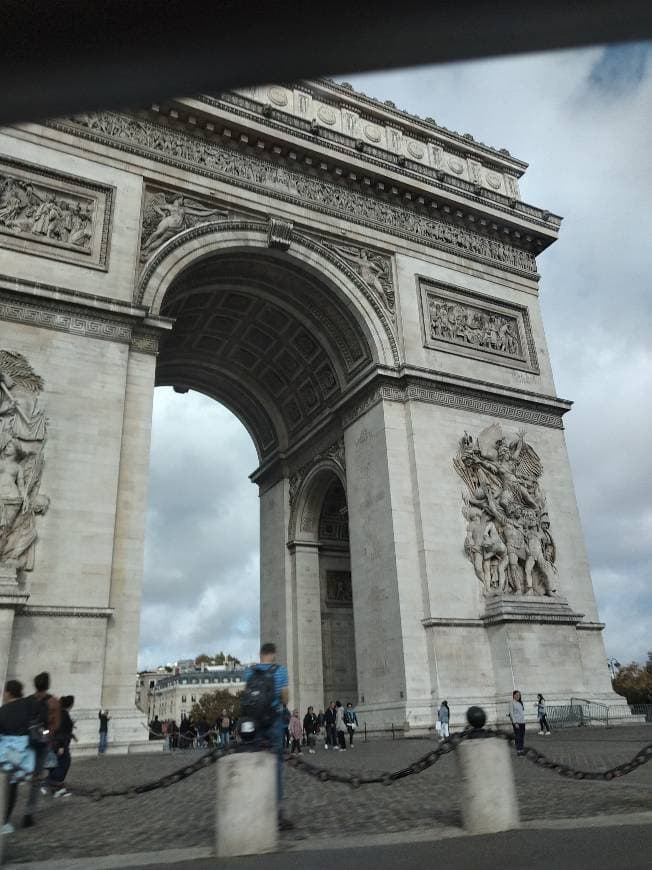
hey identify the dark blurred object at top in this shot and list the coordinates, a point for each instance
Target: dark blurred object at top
(63, 56)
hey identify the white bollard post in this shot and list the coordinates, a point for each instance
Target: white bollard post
(489, 802)
(247, 814)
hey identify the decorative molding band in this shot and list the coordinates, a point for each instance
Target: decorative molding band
(75, 320)
(591, 626)
(440, 174)
(55, 215)
(451, 622)
(464, 399)
(465, 323)
(67, 612)
(263, 175)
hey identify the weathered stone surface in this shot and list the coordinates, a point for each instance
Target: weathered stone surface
(360, 293)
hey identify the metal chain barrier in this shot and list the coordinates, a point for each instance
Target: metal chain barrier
(540, 760)
(356, 780)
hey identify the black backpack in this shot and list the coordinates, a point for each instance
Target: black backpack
(39, 735)
(257, 702)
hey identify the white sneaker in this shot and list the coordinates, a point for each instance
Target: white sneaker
(548, 733)
(325, 745)
(62, 792)
(541, 733)
(7, 828)
(311, 751)
(44, 790)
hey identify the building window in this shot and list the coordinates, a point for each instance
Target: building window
(193, 699)
(183, 699)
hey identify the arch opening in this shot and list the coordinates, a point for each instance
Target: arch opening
(267, 336)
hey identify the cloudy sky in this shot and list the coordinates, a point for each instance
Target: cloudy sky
(583, 121)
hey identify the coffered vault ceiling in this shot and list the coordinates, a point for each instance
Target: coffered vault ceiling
(274, 343)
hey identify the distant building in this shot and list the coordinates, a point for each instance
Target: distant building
(171, 696)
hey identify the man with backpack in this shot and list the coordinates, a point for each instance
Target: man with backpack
(262, 703)
(44, 724)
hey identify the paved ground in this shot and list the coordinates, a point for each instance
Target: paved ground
(183, 815)
(598, 849)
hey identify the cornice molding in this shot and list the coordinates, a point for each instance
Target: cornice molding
(267, 176)
(79, 319)
(474, 400)
(438, 178)
(61, 611)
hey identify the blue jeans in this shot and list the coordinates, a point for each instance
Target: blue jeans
(272, 738)
(104, 737)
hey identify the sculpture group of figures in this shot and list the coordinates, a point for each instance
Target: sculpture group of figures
(450, 321)
(26, 209)
(165, 216)
(508, 538)
(23, 431)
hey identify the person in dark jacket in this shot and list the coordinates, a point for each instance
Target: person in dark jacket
(61, 748)
(104, 718)
(15, 719)
(330, 719)
(311, 729)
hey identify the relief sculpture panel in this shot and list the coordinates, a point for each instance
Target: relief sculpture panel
(457, 321)
(508, 538)
(23, 434)
(166, 214)
(54, 215)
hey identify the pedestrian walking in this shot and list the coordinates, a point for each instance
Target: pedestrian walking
(296, 730)
(45, 718)
(104, 718)
(225, 725)
(542, 716)
(517, 715)
(16, 754)
(340, 726)
(311, 729)
(330, 740)
(61, 747)
(269, 722)
(443, 720)
(286, 715)
(351, 722)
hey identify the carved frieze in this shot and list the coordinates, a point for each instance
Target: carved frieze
(23, 434)
(53, 214)
(167, 213)
(244, 170)
(461, 322)
(374, 269)
(508, 539)
(339, 592)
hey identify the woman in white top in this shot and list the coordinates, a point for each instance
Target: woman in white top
(517, 715)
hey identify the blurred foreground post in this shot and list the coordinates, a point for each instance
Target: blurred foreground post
(489, 802)
(247, 814)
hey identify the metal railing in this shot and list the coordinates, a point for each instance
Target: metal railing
(580, 712)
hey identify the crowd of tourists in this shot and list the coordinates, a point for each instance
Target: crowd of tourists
(36, 731)
(35, 736)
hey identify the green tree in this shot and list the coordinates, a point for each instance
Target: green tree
(203, 659)
(210, 706)
(635, 683)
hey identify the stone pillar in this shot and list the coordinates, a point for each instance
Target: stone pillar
(309, 669)
(488, 798)
(120, 662)
(247, 813)
(387, 583)
(12, 596)
(276, 600)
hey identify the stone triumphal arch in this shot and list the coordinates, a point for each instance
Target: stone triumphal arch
(359, 286)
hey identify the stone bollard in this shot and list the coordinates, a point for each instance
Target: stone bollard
(488, 797)
(247, 815)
